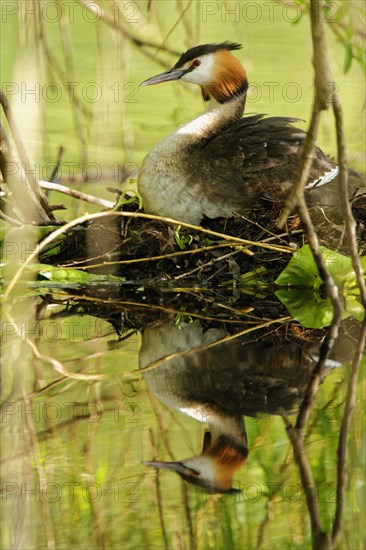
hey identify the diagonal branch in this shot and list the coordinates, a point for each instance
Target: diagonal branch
(142, 44)
(342, 450)
(30, 200)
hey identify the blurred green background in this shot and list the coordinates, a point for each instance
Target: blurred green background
(99, 495)
(104, 118)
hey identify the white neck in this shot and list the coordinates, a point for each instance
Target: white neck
(213, 119)
(219, 422)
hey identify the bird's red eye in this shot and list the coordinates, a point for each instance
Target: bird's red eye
(196, 63)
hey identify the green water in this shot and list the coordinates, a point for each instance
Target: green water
(73, 473)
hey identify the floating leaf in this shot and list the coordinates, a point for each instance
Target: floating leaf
(71, 276)
(65, 275)
(303, 297)
(306, 306)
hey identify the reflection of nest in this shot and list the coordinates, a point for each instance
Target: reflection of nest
(126, 246)
(131, 310)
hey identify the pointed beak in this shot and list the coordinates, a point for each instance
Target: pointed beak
(172, 74)
(177, 467)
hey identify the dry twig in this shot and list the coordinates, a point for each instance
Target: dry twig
(30, 200)
(342, 450)
(51, 186)
(87, 217)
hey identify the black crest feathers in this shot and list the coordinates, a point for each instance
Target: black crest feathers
(205, 49)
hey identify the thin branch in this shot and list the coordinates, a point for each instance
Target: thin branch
(66, 44)
(58, 366)
(297, 190)
(159, 496)
(178, 20)
(322, 78)
(142, 44)
(204, 347)
(10, 220)
(77, 194)
(59, 160)
(322, 81)
(203, 266)
(42, 476)
(350, 227)
(331, 336)
(147, 259)
(315, 379)
(342, 450)
(41, 210)
(350, 224)
(164, 309)
(5, 152)
(305, 472)
(87, 217)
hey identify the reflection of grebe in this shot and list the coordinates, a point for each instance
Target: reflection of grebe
(221, 163)
(217, 386)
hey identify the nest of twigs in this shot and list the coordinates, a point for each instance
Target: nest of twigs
(217, 254)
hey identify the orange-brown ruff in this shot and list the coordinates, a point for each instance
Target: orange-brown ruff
(225, 447)
(222, 163)
(228, 76)
(226, 459)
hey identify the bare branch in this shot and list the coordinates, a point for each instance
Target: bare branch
(10, 220)
(77, 194)
(30, 200)
(350, 224)
(342, 450)
(142, 44)
(323, 80)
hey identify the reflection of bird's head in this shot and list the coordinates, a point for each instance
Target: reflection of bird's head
(212, 67)
(214, 468)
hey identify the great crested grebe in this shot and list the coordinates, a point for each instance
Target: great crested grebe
(220, 164)
(219, 385)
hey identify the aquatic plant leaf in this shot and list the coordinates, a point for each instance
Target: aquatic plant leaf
(302, 295)
(66, 275)
(302, 269)
(306, 306)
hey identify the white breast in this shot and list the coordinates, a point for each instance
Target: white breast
(163, 182)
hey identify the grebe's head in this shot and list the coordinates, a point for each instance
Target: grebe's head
(214, 468)
(211, 66)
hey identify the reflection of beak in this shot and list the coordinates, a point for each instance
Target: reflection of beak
(177, 467)
(172, 74)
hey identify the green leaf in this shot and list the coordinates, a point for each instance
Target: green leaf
(301, 270)
(253, 277)
(67, 275)
(306, 306)
(302, 295)
(182, 240)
